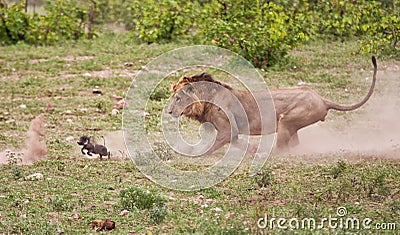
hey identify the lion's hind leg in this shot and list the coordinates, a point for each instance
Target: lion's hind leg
(286, 137)
(294, 140)
(283, 137)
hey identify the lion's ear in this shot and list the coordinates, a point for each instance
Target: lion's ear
(207, 77)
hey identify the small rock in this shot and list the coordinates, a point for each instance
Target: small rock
(116, 97)
(87, 75)
(123, 213)
(96, 90)
(217, 209)
(301, 83)
(10, 121)
(76, 216)
(22, 106)
(128, 64)
(70, 121)
(114, 112)
(70, 139)
(68, 111)
(24, 216)
(36, 176)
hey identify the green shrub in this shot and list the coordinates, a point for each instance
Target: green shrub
(63, 20)
(155, 21)
(13, 160)
(14, 24)
(260, 32)
(338, 19)
(135, 198)
(158, 212)
(384, 35)
(265, 178)
(338, 169)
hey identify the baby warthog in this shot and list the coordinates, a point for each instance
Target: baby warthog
(92, 147)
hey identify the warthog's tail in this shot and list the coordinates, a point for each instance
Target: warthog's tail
(332, 105)
(104, 140)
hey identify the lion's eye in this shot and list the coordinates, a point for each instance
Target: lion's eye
(178, 99)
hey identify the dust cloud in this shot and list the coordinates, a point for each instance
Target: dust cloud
(34, 149)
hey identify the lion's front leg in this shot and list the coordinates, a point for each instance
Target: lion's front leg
(227, 131)
(220, 141)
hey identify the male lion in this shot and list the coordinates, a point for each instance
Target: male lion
(295, 108)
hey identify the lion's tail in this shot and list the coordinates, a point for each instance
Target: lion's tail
(332, 105)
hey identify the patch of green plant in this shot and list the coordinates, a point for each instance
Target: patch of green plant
(158, 212)
(160, 93)
(260, 32)
(13, 159)
(134, 198)
(63, 20)
(345, 18)
(61, 203)
(157, 21)
(384, 35)
(338, 169)
(264, 178)
(163, 151)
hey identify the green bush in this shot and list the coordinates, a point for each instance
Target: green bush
(14, 24)
(338, 19)
(134, 198)
(158, 212)
(155, 21)
(260, 32)
(63, 20)
(265, 178)
(384, 34)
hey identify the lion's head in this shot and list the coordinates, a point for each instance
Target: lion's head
(190, 94)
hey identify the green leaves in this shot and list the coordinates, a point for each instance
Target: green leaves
(260, 32)
(63, 20)
(157, 21)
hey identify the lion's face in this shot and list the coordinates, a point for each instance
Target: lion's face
(182, 102)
